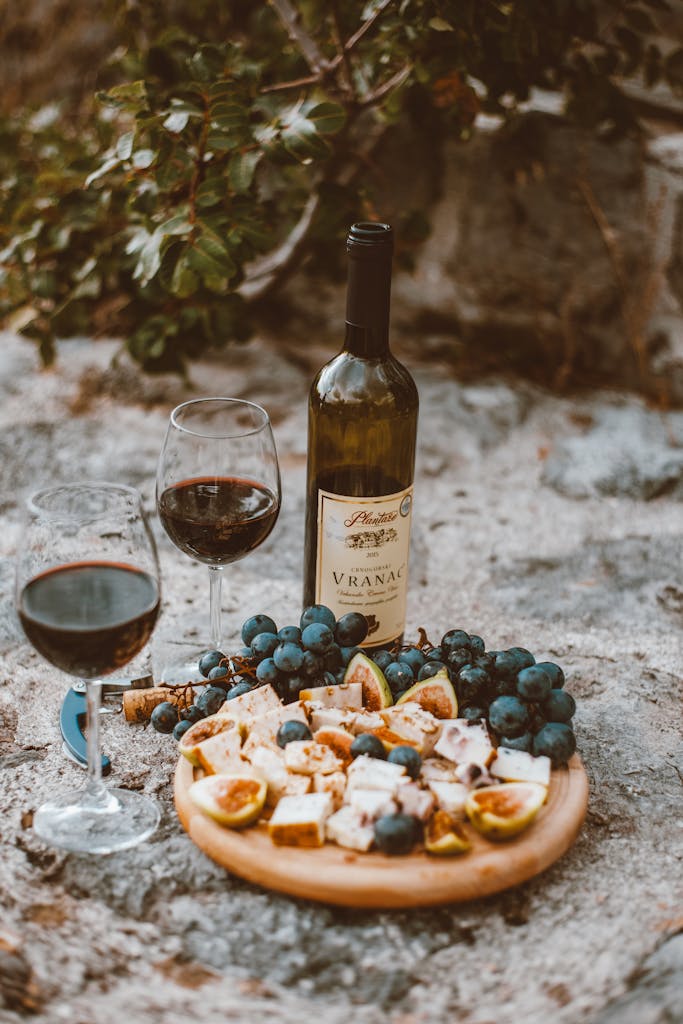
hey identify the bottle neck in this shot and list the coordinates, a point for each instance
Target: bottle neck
(367, 304)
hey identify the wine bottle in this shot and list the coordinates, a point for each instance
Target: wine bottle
(362, 425)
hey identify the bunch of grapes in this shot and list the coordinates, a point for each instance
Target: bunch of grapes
(523, 702)
(314, 653)
(294, 658)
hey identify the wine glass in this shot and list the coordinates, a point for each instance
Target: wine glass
(87, 594)
(218, 491)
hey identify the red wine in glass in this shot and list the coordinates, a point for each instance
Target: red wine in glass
(218, 493)
(89, 618)
(87, 594)
(218, 520)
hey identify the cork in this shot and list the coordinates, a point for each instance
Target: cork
(138, 705)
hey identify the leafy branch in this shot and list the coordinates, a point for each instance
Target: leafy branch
(243, 135)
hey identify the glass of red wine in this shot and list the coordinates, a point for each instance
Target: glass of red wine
(218, 491)
(87, 594)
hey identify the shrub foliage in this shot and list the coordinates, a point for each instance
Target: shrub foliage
(241, 134)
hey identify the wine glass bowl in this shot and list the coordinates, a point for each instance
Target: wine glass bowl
(218, 486)
(88, 596)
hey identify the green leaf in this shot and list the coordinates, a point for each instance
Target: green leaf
(440, 25)
(210, 192)
(242, 168)
(228, 115)
(131, 95)
(301, 139)
(328, 118)
(223, 87)
(176, 122)
(184, 281)
(211, 260)
(217, 142)
(109, 164)
(143, 158)
(178, 225)
(124, 145)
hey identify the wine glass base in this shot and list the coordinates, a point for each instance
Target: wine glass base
(76, 822)
(185, 670)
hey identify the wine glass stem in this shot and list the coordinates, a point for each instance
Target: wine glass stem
(215, 581)
(95, 788)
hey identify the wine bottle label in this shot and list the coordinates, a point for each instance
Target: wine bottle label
(362, 563)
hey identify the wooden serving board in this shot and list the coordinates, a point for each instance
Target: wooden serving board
(332, 874)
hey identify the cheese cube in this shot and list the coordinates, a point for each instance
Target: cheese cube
(464, 741)
(346, 829)
(300, 820)
(309, 757)
(345, 695)
(334, 784)
(366, 721)
(414, 800)
(250, 705)
(520, 766)
(371, 773)
(438, 769)
(411, 720)
(265, 727)
(270, 765)
(221, 753)
(371, 804)
(450, 796)
(324, 718)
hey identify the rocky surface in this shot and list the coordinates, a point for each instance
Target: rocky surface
(538, 521)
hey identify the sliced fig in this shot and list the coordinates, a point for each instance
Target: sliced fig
(203, 730)
(445, 837)
(434, 694)
(376, 690)
(502, 811)
(232, 800)
(338, 739)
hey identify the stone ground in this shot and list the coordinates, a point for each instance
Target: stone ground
(550, 523)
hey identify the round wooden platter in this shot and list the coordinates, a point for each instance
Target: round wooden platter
(332, 874)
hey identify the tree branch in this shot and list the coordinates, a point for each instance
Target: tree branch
(365, 27)
(291, 19)
(266, 273)
(383, 90)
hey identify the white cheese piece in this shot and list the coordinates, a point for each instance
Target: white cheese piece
(323, 718)
(414, 800)
(366, 721)
(300, 820)
(346, 829)
(519, 766)
(249, 705)
(411, 720)
(463, 741)
(438, 769)
(221, 753)
(309, 757)
(371, 804)
(345, 695)
(270, 765)
(334, 784)
(450, 796)
(266, 726)
(371, 773)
